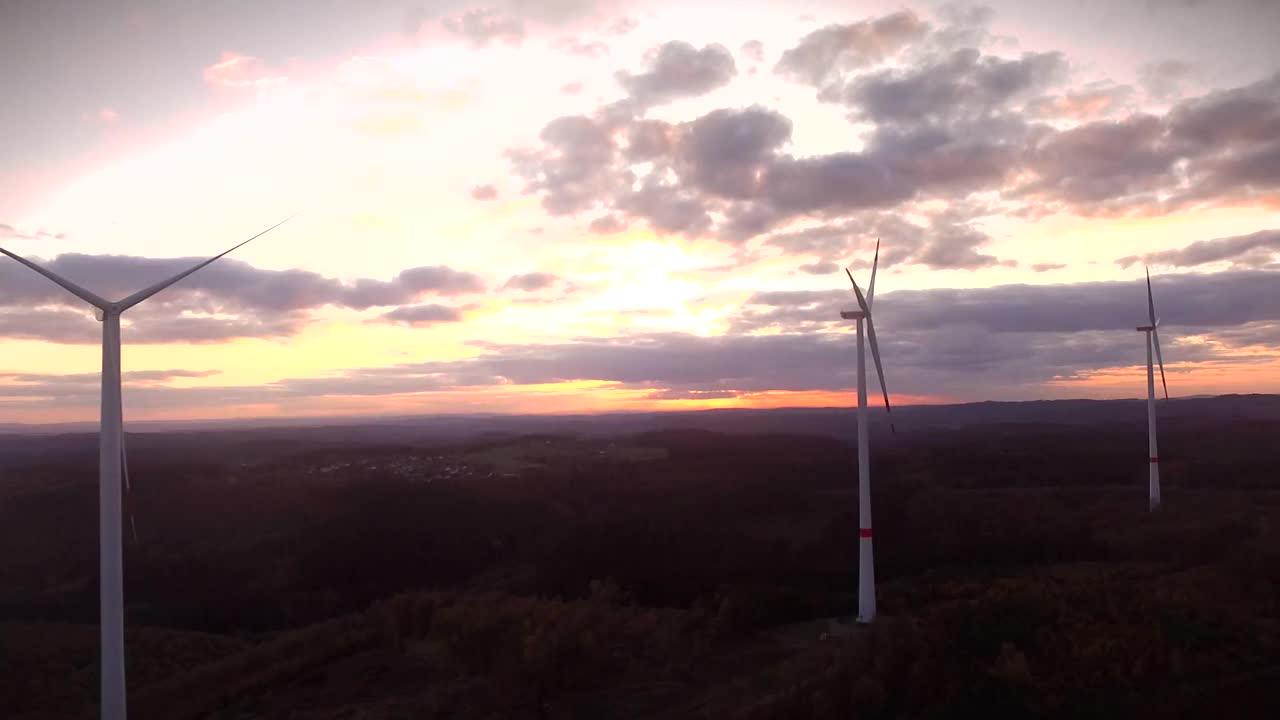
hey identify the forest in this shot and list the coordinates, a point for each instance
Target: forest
(678, 573)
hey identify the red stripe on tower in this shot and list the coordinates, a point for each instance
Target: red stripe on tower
(864, 532)
(1155, 460)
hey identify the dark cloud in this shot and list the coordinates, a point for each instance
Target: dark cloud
(593, 49)
(1200, 301)
(228, 299)
(1102, 164)
(962, 86)
(1211, 149)
(606, 224)
(726, 171)
(228, 285)
(668, 208)
(1005, 342)
(676, 70)
(1046, 267)
(484, 192)
(422, 315)
(952, 125)
(439, 279)
(484, 25)
(145, 325)
(824, 53)
(529, 282)
(1257, 249)
(574, 170)
(948, 240)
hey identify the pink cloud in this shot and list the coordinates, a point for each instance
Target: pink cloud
(235, 71)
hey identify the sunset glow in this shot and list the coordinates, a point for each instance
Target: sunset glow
(582, 217)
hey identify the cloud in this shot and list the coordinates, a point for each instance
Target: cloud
(9, 231)
(732, 163)
(965, 85)
(1102, 165)
(146, 325)
(676, 70)
(86, 385)
(228, 299)
(753, 50)
(606, 224)
(593, 49)
(482, 26)
(951, 125)
(969, 344)
(1088, 103)
(529, 282)
(1199, 301)
(823, 54)
(1217, 148)
(422, 315)
(1164, 80)
(822, 267)
(1046, 267)
(1004, 341)
(484, 192)
(239, 72)
(622, 26)
(1257, 249)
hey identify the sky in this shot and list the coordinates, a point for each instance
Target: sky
(593, 205)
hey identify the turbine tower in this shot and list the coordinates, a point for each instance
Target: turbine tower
(866, 560)
(1153, 341)
(111, 462)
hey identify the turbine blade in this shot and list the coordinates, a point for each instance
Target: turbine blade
(1155, 340)
(875, 354)
(143, 294)
(846, 272)
(124, 462)
(1151, 303)
(857, 292)
(66, 284)
(124, 471)
(871, 289)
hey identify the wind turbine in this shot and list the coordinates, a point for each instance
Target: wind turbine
(111, 462)
(1153, 341)
(866, 560)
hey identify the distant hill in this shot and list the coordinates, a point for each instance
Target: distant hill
(191, 440)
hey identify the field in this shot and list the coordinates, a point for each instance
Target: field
(680, 573)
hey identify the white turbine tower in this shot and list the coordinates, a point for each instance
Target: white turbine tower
(111, 462)
(866, 559)
(1153, 341)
